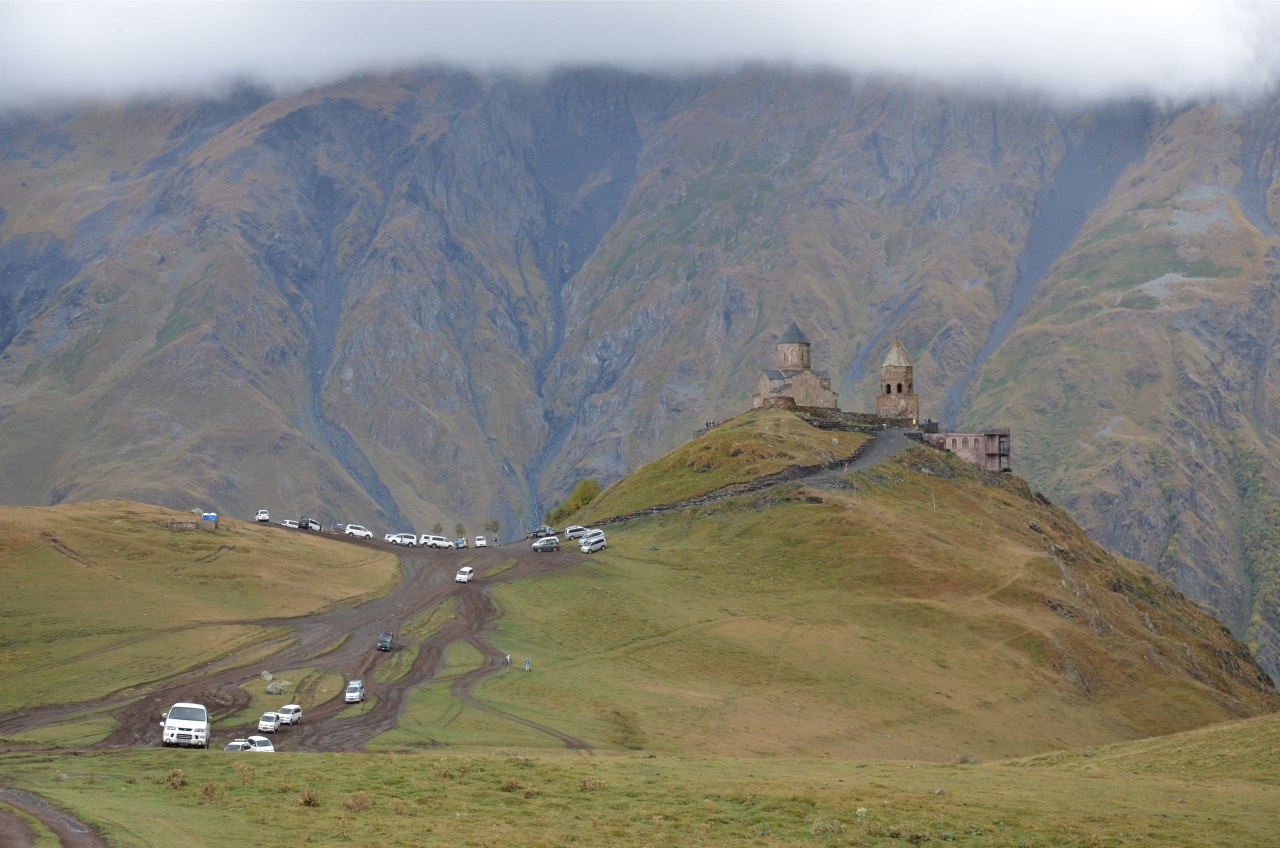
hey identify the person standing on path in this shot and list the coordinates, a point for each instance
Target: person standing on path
(508, 661)
(526, 663)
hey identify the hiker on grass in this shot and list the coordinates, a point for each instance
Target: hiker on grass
(526, 663)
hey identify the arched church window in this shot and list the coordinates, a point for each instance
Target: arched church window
(888, 389)
(899, 388)
(964, 443)
(953, 444)
(910, 388)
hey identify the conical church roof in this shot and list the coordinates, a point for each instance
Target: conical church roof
(897, 356)
(793, 336)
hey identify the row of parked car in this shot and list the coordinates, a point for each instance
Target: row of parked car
(359, 531)
(428, 541)
(545, 538)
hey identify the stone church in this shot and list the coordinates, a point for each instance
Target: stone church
(794, 378)
(794, 383)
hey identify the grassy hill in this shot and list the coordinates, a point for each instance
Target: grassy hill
(752, 445)
(102, 597)
(916, 652)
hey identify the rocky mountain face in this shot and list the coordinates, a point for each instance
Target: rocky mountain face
(441, 298)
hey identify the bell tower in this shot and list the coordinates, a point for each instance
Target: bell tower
(897, 396)
(793, 350)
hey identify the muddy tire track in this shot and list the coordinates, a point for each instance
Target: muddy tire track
(69, 830)
(339, 641)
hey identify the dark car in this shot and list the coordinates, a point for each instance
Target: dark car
(541, 532)
(309, 524)
(384, 641)
(546, 543)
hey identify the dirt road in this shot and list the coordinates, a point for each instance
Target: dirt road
(427, 580)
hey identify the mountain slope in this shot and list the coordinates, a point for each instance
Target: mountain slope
(434, 297)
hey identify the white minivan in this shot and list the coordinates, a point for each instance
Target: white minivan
(185, 725)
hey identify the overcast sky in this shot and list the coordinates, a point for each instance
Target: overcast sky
(1080, 50)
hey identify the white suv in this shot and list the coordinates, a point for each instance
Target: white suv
(403, 539)
(464, 575)
(355, 692)
(358, 531)
(435, 542)
(263, 515)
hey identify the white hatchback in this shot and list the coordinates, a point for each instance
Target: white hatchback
(464, 575)
(481, 542)
(263, 515)
(358, 531)
(261, 744)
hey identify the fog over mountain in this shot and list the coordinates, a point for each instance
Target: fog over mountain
(1072, 51)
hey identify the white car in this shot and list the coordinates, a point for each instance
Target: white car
(403, 539)
(481, 543)
(269, 723)
(435, 542)
(590, 546)
(593, 533)
(464, 574)
(263, 516)
(573, 531)
(354, 693)
(289, 522)
(260, 743)
(290, 714)
(358, 531)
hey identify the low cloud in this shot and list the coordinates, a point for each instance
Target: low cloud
(1080, 51)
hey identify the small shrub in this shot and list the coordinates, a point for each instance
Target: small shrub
(826, 827)
(591, 784)
(310, 798)
(531, 792)
(357, 802)
(176, 779)
(210, 793)
(510, 785)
